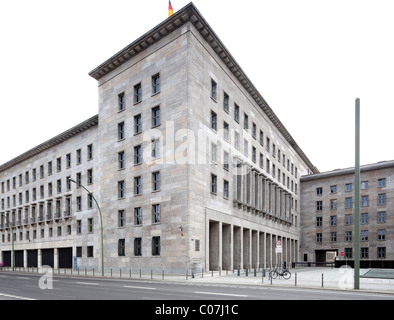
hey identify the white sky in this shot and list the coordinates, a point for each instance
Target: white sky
(309, 59)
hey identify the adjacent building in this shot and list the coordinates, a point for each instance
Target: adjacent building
(327, 219)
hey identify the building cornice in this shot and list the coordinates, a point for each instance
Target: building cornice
(91, 122)
(191, 14)
(341, 172)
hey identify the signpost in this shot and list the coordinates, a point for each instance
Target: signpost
(278, 251)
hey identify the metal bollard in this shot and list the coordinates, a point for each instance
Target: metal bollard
(322, 280)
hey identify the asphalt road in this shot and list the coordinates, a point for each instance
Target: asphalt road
(23, 286)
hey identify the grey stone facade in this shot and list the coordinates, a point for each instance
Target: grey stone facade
(191, 166)
(327, 212)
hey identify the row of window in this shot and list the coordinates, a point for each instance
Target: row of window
(156, 181)
(137, 94)
(381, 201)
(50, 190)
(41, 232)
(348, 236)
(7, 184)
(380, 218)
(270, 147)
(364, 253)
(349, 186)
(156, 247)
(137, 127)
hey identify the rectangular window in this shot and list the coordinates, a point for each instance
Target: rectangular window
(213, 121)
(156, 116)
(137, 124)
(319, 222)
(381, 252)
(137, 93)
(90, 176)
(156, 181)
(348, 236)
(225, 189)
(381, 199)
(138, 154)
(155, 246)
(121, 247)
(90, 225)
(121, 102)
(382, 182)
(213, 90)
(156, 213)
(156, 149)
(236, 112)
(381, 234)
(381, 216)
(90, 151)
(348, 187)
(364, 235)
(137, 247)
(213, 183)
(137, 216)
(364, 218)
(121, 189)
(246, 121)
(79, 156)
(364, 201)
(156, 83)
(226, 105)
(213, 152)
(68, 160)
(319, 205)
(226, 131)
(121, 218)
(226, 164)
(121, 133)
(121, 160)
(137, 185)
(348, 203)
(333, 221)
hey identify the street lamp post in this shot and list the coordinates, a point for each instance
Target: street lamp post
(12, 242)
(101, 223)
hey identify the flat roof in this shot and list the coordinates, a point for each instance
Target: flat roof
(340, 172)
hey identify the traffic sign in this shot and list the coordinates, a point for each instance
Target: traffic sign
(279, 244)
(278, 250)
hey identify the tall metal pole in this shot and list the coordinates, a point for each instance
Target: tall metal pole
(357, 202)
(101, 224)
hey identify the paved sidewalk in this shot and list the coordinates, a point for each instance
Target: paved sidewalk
(336, 278)
(313, 277)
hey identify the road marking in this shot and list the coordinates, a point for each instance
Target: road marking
(89, 283)
(133, 287)
(15, 297)
(222, 294)
(25, 278)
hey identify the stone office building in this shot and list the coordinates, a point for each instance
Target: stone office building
(327, 210)
(190, 165)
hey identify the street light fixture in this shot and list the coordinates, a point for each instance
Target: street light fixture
(101, 222)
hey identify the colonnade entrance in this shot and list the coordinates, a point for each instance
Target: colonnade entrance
(232, 247)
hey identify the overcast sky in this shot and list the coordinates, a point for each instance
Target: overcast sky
(309, 59)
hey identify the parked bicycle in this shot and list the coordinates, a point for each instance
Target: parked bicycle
(286, 274)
